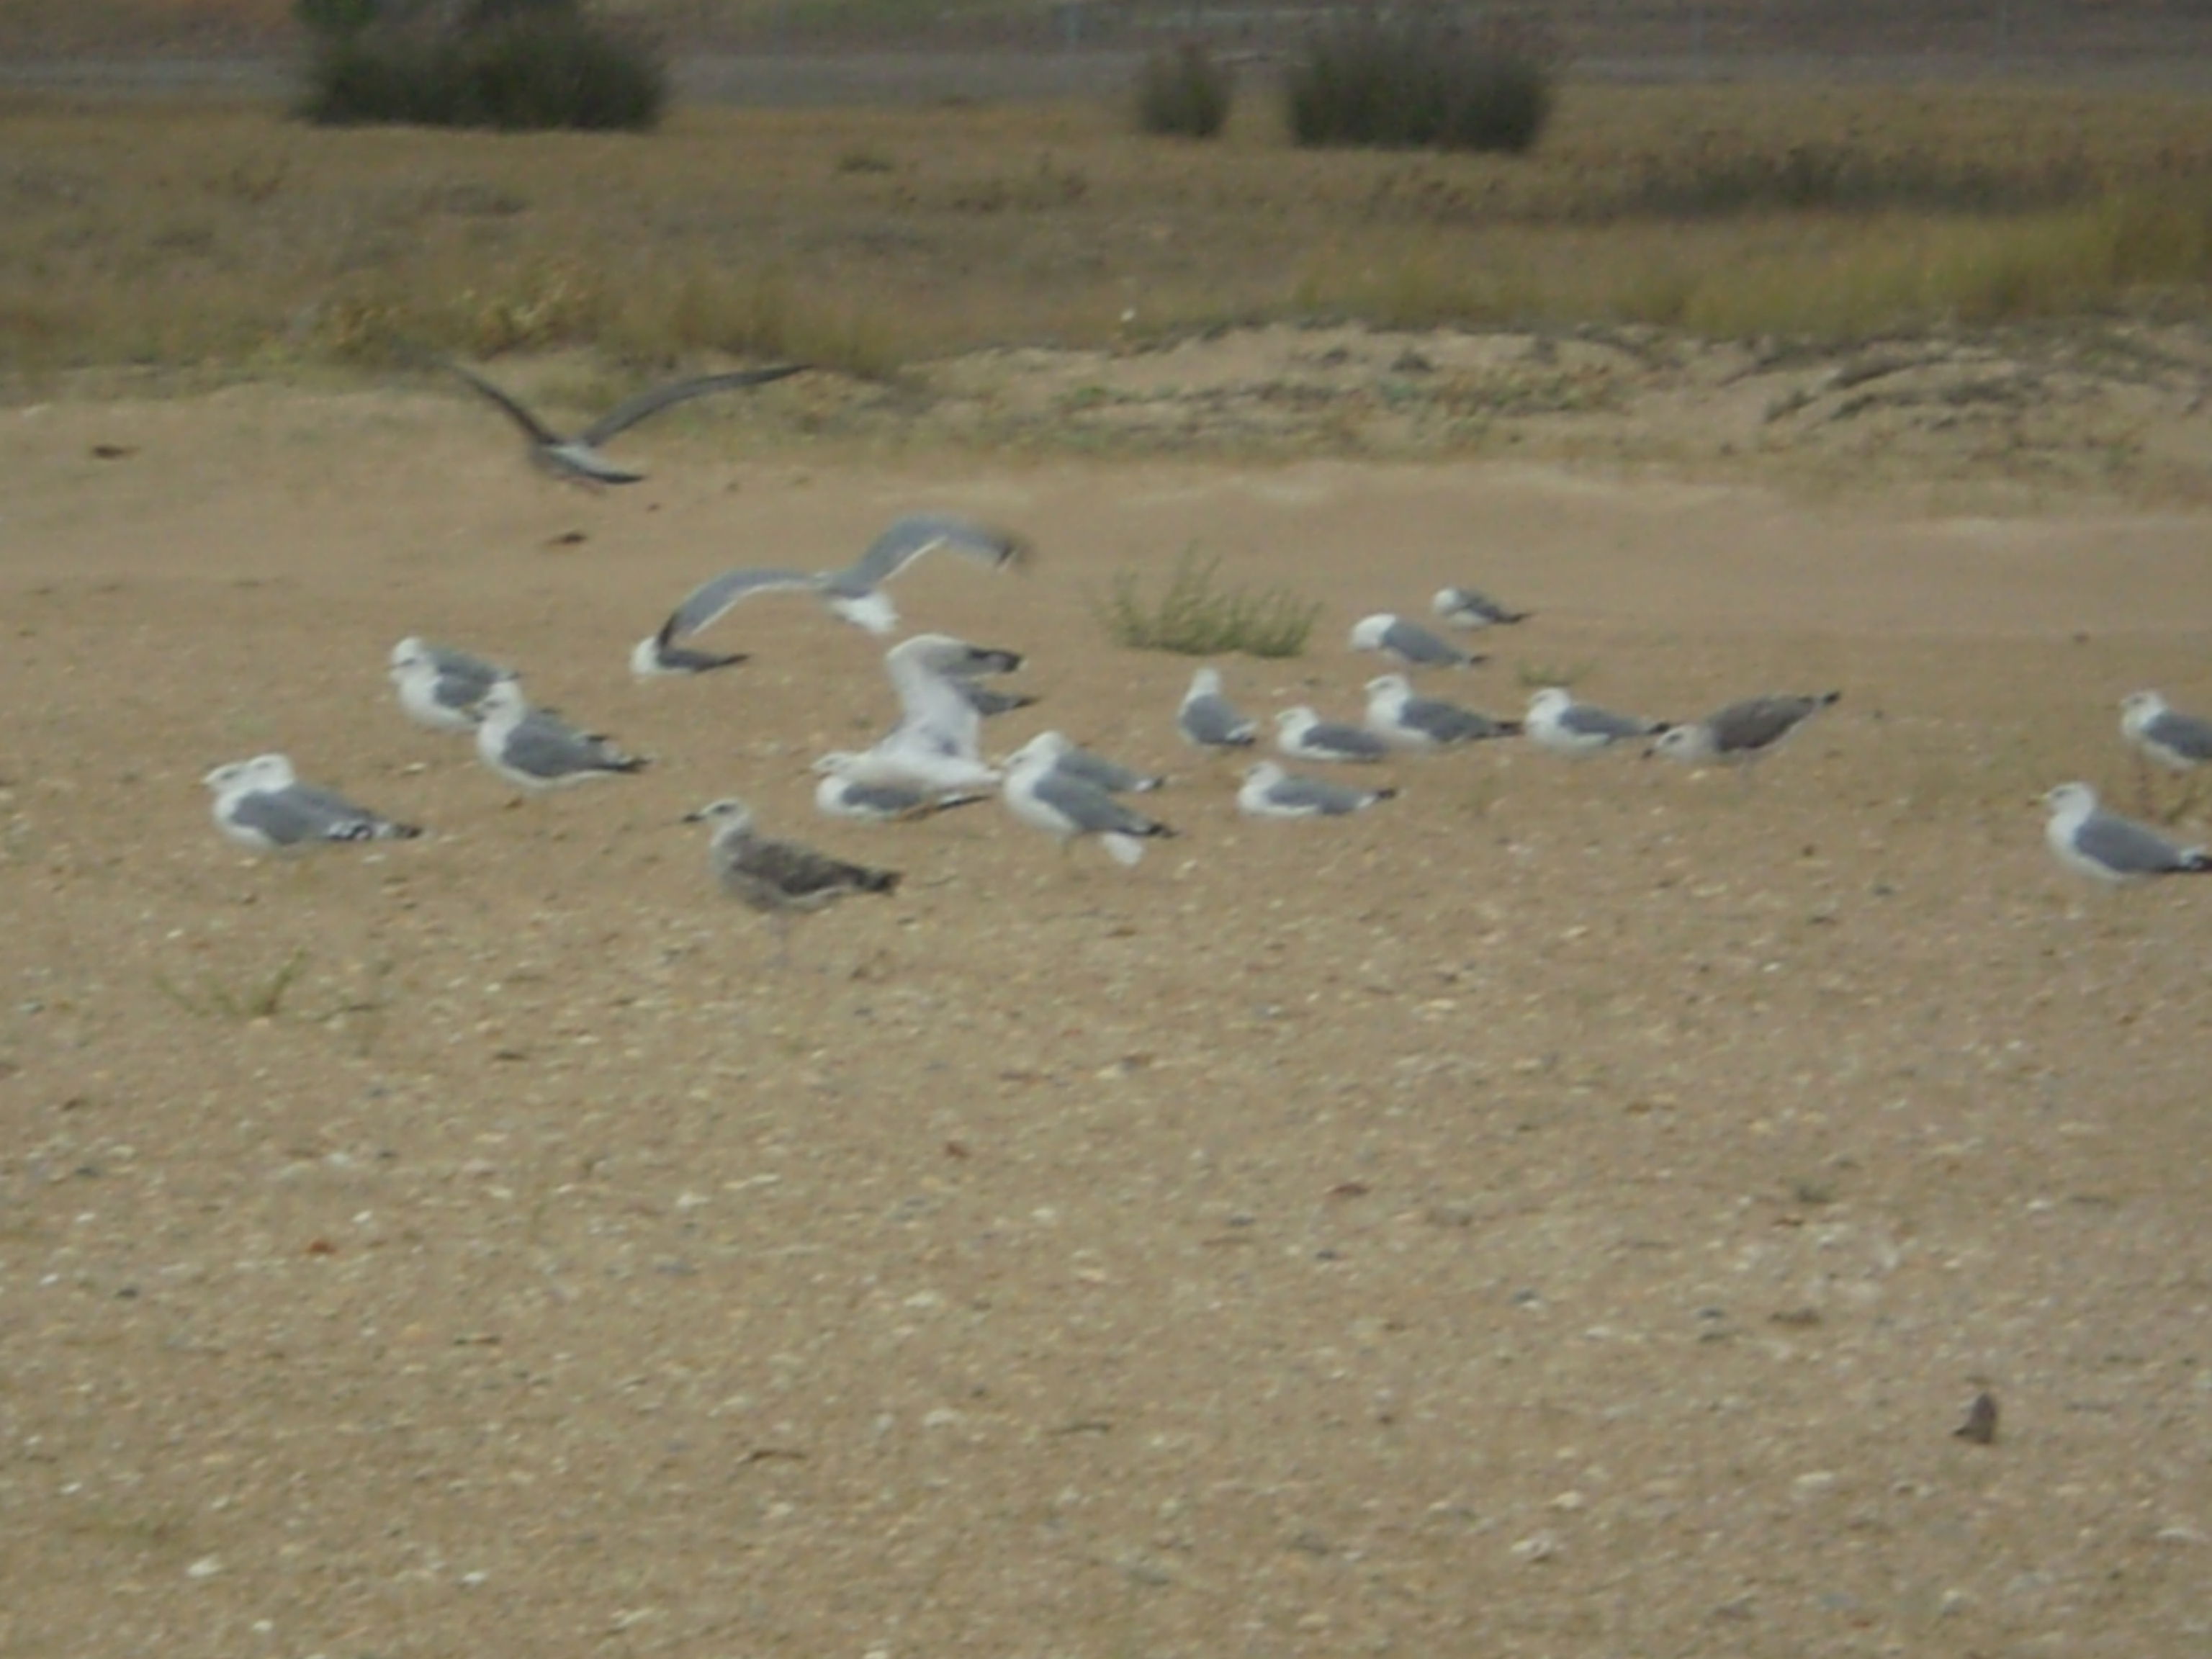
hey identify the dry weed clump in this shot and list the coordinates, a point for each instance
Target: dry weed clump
(1193, 617)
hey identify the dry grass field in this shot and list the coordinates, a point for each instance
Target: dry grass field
(1566, 1211)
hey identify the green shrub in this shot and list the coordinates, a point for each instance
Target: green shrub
(1196, 619)
(525, 68)
(1421, 80)
(1184, 94)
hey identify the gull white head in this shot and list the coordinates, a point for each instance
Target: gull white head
(1389, 687)
(1291, 722)
(1263, 774)
(504, 700)
(1205, 682)
(2143, 705)
(1367, 633)
(411, 652)
(2073, 800)
(249, 776)
(1686, 743)
(1549, 703)
(729, 816)
(1041, 751)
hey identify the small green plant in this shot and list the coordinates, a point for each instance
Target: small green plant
(247, 1000)
(1196, 619)
(1421, 79)
(1184, 94)
(1537, 676)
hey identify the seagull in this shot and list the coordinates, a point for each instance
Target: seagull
(1405, 721)
(2178, 742)
(1096, 770)
(1301, 731)
(2087, 839)
(1039, 793)
(261, 803)
(936, 748)
(842, 795)
(855, 592)
(535, 749)
(1742, 731)
(577, 460)
(1207, 721)
(1557, 722)
(440, 688)
(1269, 791)
(1470, 607)
(779, 878)
(1410, 643)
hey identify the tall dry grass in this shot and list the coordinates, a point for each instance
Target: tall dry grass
(185, 234)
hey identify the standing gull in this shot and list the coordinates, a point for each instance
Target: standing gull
(2088, 840)
(1208, 720)
(261, 803)
(1269, 791)
(2160, 733)
(1741, 731)
(854, 593)
(1301, 731)
(1557, 722)
(440, 688)
(577, 460)
(533, 748)
(1039, 793)
(780, 880)
(1096, 770)
(1470, 607)
(1409, 642)
(1405, 721)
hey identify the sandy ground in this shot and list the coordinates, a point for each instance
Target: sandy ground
(1566, 1211)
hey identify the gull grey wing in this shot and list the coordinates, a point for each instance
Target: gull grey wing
(300, 814)
(1345, 739)
(1209, 720)
(1313, 795)
(706, 603)
(1447, 722)
(625, 415)
(543, 748)
(1586, 721)
(798, 875)
(987, 702)
(918, 533)
(1091, 809)
(536, 428)
(1418, 644)
(2185, 734)
(2129, 850)
(1110, 776)
(1757, 721)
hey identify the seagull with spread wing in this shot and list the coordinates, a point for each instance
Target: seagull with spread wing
(577, 460)
(854, 593)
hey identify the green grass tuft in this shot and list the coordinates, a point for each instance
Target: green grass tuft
(1421, 79)
(1194, 618)
(247, 1000)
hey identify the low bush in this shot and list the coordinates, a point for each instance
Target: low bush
(1184, 94)
(1420, 81)
(525, 68)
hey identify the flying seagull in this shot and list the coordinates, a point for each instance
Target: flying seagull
(1470, 607)
(780, 880)
(1207, 720)
(855, 592)
(2087, 839)
(261, 803)
(1405, 721)
(1269, 791)
(1040, 794)
(577, 460)
(2160, 733)
(439, 687)
(1409, 642)
(1301, 731)
(1557, 722)
(534, 748)
(1741, 731)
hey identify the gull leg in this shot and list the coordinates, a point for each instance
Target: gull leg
(781, 923)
